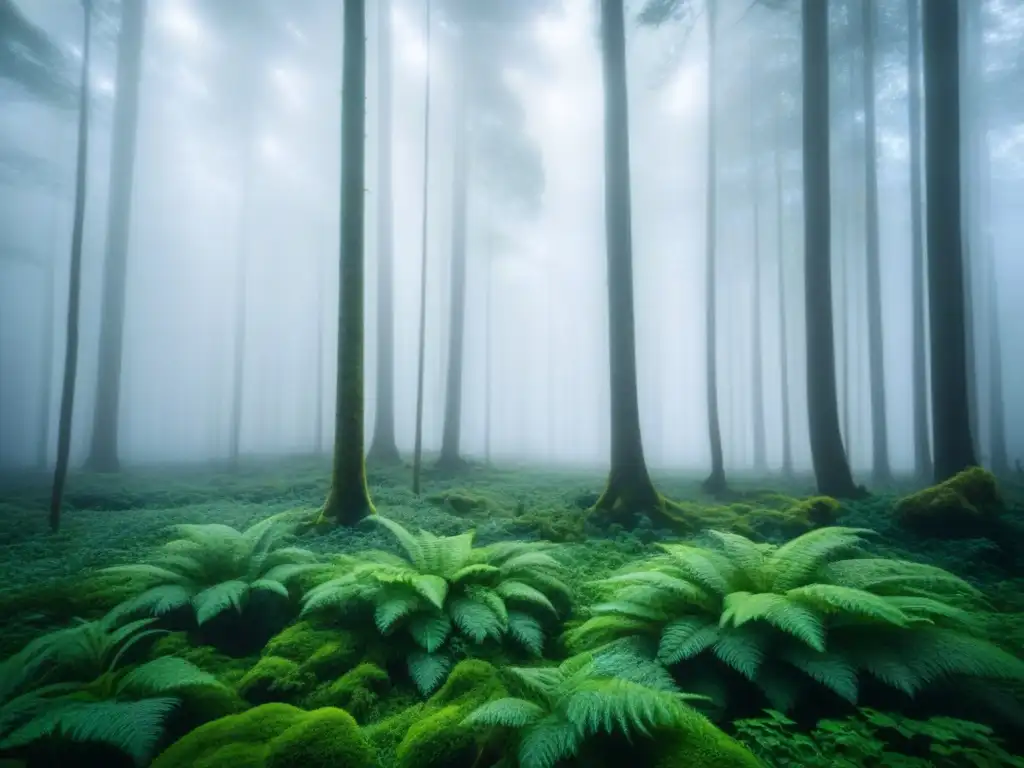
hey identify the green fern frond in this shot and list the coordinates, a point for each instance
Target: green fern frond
(409, 543)
(799, 559)
(631, 609)
(498, 553)
(847, 602)
(340, 594)
(454, 554)
(524, 593)
(830, 670)
(747, 557)
(474, 619)
(476, 572)
(509, 713)
(428, 670)
(148, 572)
(164, 675)
(155, 601)
(782, 613)
(742, 649)
(270, 585)
(548, 742)
(430, 630)
(529, 561)
(615, 705)
(938, 612)
(285, 572)
(527, 631)
(600, 630)
(394, 605)
(546, 582)
(685, 638)
(686, 590)
(935, 653)
(213, 601)
(492, 600)
(884, 576)
(707, 569)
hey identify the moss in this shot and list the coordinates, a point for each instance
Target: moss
(697, 746)
(439, 739)
(228, 669)
(560, 524)
(966, 505)
(783, 517)
(461, 502)
(358, 691)
(273, 736)
(324, 738)
(323, 652)
(275, 679)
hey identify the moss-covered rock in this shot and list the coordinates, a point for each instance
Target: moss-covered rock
(559, 524)
(325, 653)
(358, 691)
(273, 736)
(966, 505)
(275, 679)
(461, 502)
(695, 747)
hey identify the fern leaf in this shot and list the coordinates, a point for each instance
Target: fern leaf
(848, 602)
(270, 585)
(149, 572)
(797, 620)
(131, 643)
(600, 630)
(831, 670)
(938, 612)
(746, 556)
(526, 631)
(537, 682)
(394, 606)
(430, 630)
(741, 649)
(680, 588)
(705, 568)
(409, 543)
(454, 554)
(476, 620)
(215, 600)
(937, 653)
(685, 638)
(428, 670)
(508, 713)
(624, 665)
(155, 601)
(167, 674)
(524, 593)
(883, 576)
(528, 561)
(615, 705)
(285, 572)
(630, 609)
(492, 600)
(340, 594)
(434, 588)
(476, 572)
(792, 564)
(548, 742)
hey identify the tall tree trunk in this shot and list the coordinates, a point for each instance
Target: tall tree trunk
(922, 448)
(103, 455)
(383, 447)
(760, 451)
(451, 459)
(629, 488)
(46, 396)
(348, 501)
(997, 410)
(881, 472)
(953, 444)
(787, 442)
(489, 353)
(241, 313)
(318, 425)
(417, 461)
(830, 464)
(715, 483)
(67, 399)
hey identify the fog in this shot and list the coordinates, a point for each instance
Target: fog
(238, 163)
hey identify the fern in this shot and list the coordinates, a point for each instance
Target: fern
(816, 611)
(447, 596)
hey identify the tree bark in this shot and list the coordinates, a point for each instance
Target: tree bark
(348, 501)
(787, 442)
(629, 490)
(715, 483)
(830, 464)
(922, 447)
(103, 455)
(67, 400)
(998, 455)
(383, 447)
(450, 459)
(953, 444)
(757, 393)
(880, 472)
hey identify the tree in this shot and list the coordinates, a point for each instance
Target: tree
(951, 428)
(103, 456)
(757, 391)
(922, 448)
(67, 400)
(831, 467)
(787, 442)
(629, 487)
(348, 500)
(383, 448)
(876, 357)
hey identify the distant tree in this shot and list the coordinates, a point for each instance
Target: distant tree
(103, 456)
(348, 500)
(831, 467)
(629, 487)
(67, 400)
(951, 427)
(922, 447)
(756, 321)
(787, 441)
(383, 447)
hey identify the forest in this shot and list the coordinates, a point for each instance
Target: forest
(511, 383)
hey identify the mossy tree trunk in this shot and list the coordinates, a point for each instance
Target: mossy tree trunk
(881, 472)
(450, 459)
(67, 400)
(922, 447)
(830, 463)
(383, 447)
(953, 444)
(348, 501)
(103, 453)
(715, 482)
(629, 488)
(780, 214)
(757, 389)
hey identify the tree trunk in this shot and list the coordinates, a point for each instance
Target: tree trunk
(787, 443)
(348, 501)
(451, 459)
(629, 490)
(417, 461)
(830, 465)
(953, 444)
(880, 472)
(241, 313)
(318, 425)
(997, 408)
(46, 396)
(489, 351)
(67, 400)
(715, 483)
(103, 455)
(383, 447)
(760, 452)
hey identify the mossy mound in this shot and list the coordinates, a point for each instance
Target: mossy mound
(967, 505)
(273, 736)
(228, 669)
(558, 524)
(275, 679)
(325, 653)
(700, 748)
(359, 692)
(462, 502)
(781, 518)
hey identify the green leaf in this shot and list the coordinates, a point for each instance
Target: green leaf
(270, 585)
(167, 674)
(476, 620)
(527, 631)
(215, 600)
(510, 713)
(430, 630)
(685, 638)
(428, 670)
(517, 590)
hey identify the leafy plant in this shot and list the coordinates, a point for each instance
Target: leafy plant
(444, 595)
(871, 738)
(214, 568)
(815, 610)
(70, 684)
(560, 708)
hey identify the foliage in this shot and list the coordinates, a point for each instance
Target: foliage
(871, 738)
(558, 710)
(445, 594)
(213, 568)
(967, 504)
(70, 684)
(814, 612)
(358, 692)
